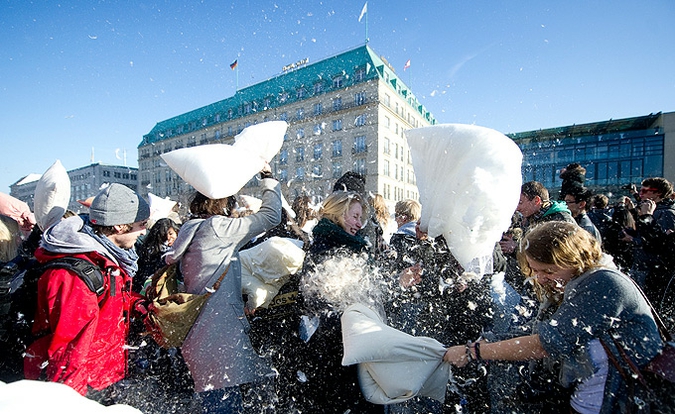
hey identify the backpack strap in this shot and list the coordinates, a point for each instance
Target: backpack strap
(88, 272)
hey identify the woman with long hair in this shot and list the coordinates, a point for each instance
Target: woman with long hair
(595, 305)
(217, 349)
(329, 386)
(151, 250)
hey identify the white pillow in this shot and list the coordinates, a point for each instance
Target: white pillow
(264, 139)
(52, 195)
(159, 207)
(469, 180)
(221, 170)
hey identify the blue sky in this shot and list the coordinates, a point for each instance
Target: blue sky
(77, 75)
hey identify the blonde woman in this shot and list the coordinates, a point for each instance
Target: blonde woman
(329, 387)
(596, 302)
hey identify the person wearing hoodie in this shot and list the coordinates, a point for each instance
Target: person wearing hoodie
(217, 349)
(536, 207)
(82, 335)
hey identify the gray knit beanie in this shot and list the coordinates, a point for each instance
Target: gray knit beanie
(118, 204)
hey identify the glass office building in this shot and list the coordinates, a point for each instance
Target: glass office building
(614, 152)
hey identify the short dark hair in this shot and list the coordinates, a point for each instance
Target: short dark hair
(663, 186)
(582, 195)
(534, 188)
(351, 181)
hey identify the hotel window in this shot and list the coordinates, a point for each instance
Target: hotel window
(318, 151)
(283, 175)
(283, 97)
(300, 113)
(386, 122)
(385, 168)
(387, 100)
(301, 133)
(337, 104)
(247, 108)
(283, 116)
(360, 144)
(318, 88)
(317, 129)
(318, 109)
(338, 81)
(337, 148)
(359, 98)
(360, 120)
(283, 157)
(337, 170)
(300, 93)
(317, 172)
(300, 173)
(387, 146)
(299, 154)
(360, 166)
(337, 124)
(359, 75)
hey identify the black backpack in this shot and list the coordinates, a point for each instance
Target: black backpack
(19, 304)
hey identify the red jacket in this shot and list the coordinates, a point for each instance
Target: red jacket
(84, 334)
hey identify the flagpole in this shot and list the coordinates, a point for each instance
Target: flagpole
(367, 25)
(237, 70)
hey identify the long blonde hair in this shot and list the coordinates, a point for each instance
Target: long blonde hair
(336, 205)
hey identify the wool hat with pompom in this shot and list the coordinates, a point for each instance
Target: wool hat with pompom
(118, 204)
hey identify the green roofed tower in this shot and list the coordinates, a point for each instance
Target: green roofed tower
(347, 112)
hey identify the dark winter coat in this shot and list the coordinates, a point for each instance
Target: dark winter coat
(329, 387)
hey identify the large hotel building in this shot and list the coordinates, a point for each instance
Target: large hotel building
(350, 111)
(346, 112)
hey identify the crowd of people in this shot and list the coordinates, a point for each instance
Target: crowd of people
(535, 334)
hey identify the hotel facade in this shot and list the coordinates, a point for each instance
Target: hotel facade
(345, 113)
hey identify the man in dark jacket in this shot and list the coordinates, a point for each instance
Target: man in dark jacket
(655, 219)
(536, 207)
(82, 333)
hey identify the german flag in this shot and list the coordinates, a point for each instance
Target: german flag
(234, 64)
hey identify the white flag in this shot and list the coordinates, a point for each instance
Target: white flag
(364, 10)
